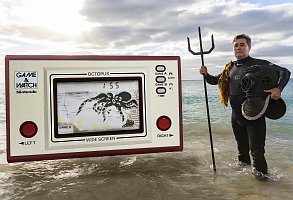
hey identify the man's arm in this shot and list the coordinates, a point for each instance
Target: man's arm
(284, 76)
(213, 80)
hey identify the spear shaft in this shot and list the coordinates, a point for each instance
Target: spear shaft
(201, 53)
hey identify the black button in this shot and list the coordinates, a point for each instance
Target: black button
(161, 90)
(160, 68)
(160, 79)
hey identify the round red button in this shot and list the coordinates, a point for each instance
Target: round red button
(164, 123)
(28, 129)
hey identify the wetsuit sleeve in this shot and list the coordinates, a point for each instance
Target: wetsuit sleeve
(213, 80)
(284, 75)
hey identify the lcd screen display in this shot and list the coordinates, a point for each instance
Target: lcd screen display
(92, 106)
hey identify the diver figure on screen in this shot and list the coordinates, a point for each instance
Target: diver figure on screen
(104, 101)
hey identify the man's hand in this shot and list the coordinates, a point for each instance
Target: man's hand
(276, 93)
(203, 70)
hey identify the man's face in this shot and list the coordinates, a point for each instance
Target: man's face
(241, 48)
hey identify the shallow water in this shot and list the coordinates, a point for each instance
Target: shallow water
(175, 175)
(181, 175)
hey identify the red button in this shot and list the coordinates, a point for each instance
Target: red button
(164, 123)
(28, 129)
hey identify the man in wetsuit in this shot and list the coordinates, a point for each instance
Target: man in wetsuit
(250, 135)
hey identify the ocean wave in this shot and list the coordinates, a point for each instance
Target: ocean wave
(202, 127)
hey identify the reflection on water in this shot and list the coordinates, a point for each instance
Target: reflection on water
(178, 175)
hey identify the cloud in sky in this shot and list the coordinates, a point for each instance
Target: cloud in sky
(150, 27)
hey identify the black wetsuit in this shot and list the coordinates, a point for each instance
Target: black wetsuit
(250, 135)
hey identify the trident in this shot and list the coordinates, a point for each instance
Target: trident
(201, 53)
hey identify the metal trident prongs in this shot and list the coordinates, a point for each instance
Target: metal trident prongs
(201, 53)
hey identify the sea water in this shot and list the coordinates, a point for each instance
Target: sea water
(182, 175)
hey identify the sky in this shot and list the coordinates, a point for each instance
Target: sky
(149, 27)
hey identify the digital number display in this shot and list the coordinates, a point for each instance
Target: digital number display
(87, 107)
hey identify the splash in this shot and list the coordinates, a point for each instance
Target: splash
(127, 162)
